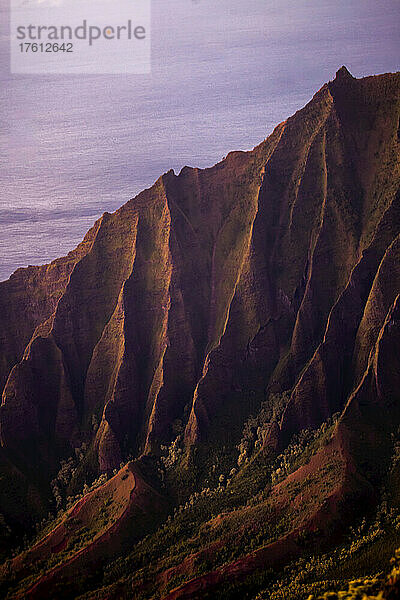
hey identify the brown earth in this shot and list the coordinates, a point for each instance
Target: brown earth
(275, 271)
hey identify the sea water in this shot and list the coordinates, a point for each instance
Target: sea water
(223, 74)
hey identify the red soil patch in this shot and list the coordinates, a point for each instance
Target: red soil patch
(59, 547)
(117, 492)
(87, 526)
(128, 485)
(316, 509)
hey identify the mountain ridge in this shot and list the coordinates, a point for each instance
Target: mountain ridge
(269, 279)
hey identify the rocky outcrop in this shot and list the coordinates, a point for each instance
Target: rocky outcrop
(271, 277)
(273, 270)
(29, 298)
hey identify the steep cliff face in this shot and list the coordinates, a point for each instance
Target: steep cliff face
(28, 298)
(265, 270)
(274, 274)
